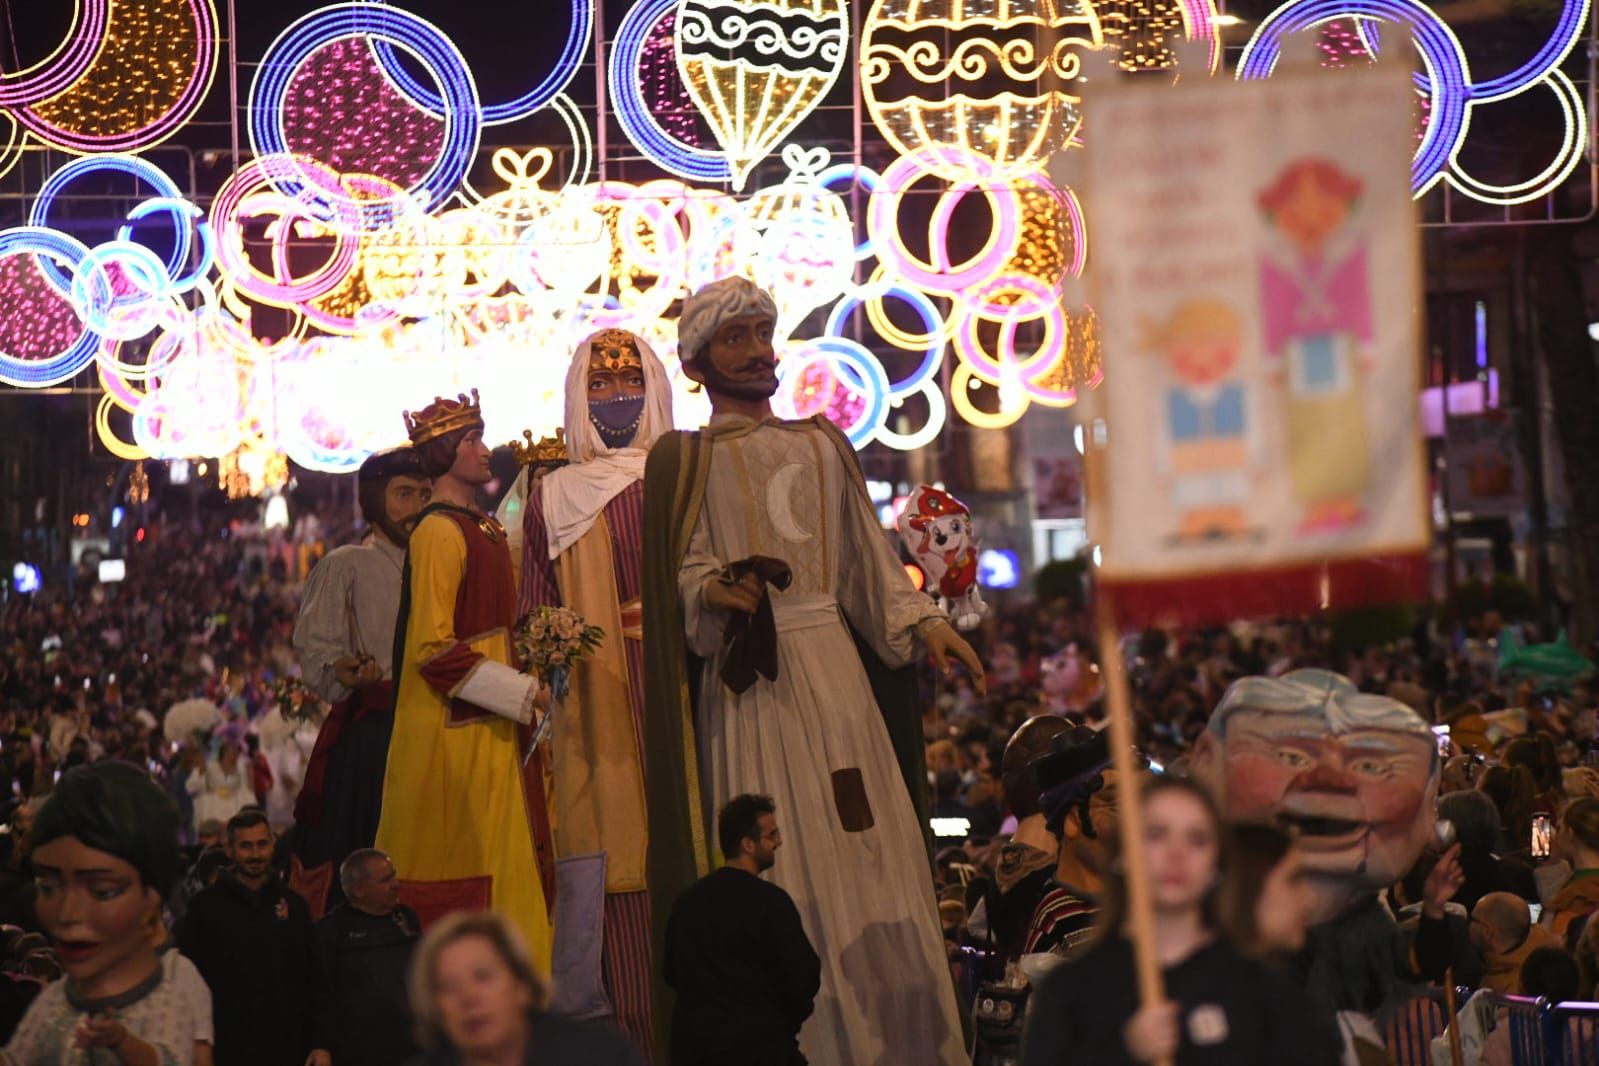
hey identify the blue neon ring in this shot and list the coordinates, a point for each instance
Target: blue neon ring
(463, 118)
(184, 213)
(840, 352)
(92, 295)
(37, 373)
(931, 319)
(867, 178)
(141, 169)
(666, 151)
(1554, 50)
(1446, 124)
(554, 83)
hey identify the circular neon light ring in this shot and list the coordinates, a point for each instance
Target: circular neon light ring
(37, 373)
(870, 380)
(931, 340)
(158, 129)
(554, 83)
(139, 169)
(463, 118)
(633, 112)
(1440, 51)
(66, 65)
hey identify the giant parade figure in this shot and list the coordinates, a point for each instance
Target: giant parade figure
(345, 640)
(465, 817)
(582, 531)
(762, 551)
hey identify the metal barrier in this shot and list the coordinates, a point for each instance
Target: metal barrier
(1409, 1031)
(1529, 1031)
(1575, 1029)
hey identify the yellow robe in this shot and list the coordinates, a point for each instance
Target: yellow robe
(456, 818)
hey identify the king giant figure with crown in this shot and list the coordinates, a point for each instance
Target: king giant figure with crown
(465, 817)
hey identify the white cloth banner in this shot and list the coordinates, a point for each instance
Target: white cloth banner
(1257, 277)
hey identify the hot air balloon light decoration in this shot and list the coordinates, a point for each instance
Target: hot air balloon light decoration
(757, 68)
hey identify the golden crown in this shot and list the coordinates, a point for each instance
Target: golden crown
(443, 416)
(614, 349)
(551, 451)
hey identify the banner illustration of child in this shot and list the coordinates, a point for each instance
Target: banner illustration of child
(1317, 321)
(1210, 442)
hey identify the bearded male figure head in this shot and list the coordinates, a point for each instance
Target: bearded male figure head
(392, 491)
(725, 342)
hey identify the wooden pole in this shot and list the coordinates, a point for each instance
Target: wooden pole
(1455, 1054)
(1129, 807)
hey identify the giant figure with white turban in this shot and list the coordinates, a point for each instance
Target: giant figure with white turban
(582, 547)
(762, 553)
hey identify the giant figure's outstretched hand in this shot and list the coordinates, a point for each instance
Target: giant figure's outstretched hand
(943, 643)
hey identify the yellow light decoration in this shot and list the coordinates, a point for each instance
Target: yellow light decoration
(753, 104)
(979, 76)
(799, 243)
(250, 471)
(150, 75)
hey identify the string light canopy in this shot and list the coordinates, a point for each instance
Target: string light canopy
(350, 264)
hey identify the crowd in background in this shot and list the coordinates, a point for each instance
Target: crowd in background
(91, 672)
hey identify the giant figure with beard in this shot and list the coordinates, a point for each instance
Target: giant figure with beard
(1356, 776)
(582, 547)
(762, 551)
(345, 641)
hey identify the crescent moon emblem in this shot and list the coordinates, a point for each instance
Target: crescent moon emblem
(780, 503)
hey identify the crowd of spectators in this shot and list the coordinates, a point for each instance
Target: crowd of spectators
(92, 670)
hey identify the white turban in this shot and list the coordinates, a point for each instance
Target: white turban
(1322, 694)
(706, 310)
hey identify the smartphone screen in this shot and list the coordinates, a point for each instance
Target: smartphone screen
(1441, 732)
(1540, 836)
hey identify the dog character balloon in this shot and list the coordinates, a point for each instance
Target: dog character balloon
(938, 530)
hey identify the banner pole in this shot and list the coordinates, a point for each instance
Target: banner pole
(1130, 807)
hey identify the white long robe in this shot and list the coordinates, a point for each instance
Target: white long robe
(866, 897)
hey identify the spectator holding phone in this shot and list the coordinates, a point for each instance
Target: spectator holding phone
(1577, 843)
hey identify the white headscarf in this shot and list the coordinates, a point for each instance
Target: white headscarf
(573, 496)
(706, 310)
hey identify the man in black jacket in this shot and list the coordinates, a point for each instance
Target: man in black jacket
(363, 948)
(250, 937)
(737, 955)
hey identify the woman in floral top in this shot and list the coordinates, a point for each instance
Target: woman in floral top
(104, 849)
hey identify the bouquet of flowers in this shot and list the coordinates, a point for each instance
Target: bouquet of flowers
(549, 642)
(294, 701)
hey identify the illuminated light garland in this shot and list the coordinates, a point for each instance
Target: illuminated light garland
(39, 321)
(66, 64)
(38, 371)
(141, 170)
(839, 353)
(937, 415)
(798, 242)
(941, 275)
(554, 83)
(931, 340)
(463, 118)
(633, 111)
(1014, 401)
(922, 61)
(1003, 366)
(1573, 147)
(119, 103)
(662, 87)
(1447, 69)
(339, 109)
(145, 284)
(183, 215)
(752, 103)
(868, 179)
(245, 195)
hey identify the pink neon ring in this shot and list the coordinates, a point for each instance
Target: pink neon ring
(65, 68)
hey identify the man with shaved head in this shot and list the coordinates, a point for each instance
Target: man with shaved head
(1502, 929)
